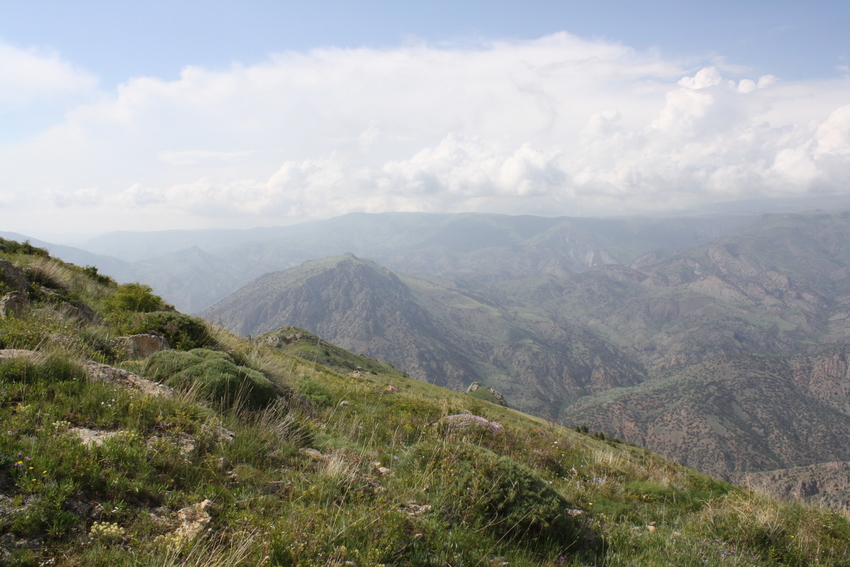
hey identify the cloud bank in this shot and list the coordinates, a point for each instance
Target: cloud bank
(558, 125)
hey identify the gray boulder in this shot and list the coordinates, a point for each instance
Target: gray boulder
(142, 345)
(13, 303)
(13, 276)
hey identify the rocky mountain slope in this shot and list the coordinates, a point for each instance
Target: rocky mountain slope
(444, 336)
(728, 356)
(247, 455)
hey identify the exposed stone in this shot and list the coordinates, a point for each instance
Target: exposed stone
(80, 312)
(220, 433)
(314, 454)
(184, 443)
(92, 437)
(194, 519)
(13, 303)
(13, 276)
(497, 395)
(413, 509)
(468, 423)
(109, 374)
(15, 353)
(142, 345)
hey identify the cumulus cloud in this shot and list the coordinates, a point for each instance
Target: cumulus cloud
(28, 74)
(558, 125)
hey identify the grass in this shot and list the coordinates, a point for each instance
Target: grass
(340, 469)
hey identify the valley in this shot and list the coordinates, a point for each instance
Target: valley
(716, 341)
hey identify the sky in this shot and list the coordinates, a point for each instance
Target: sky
(217, 114)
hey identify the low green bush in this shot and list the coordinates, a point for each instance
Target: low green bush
(212, 375)
(14, 247)
(134, 297)
(55, 368)
(183, 332)
(474, 486)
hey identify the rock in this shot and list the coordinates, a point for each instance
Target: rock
(142, 345)
(491, 395)
(222, 464)
(312, 453)
(468, 423)
(92, 437)
(384, 470)
(105, 373)
(13, 303)
(13, 276)
(413, 509)
(220, 433)
(15, 353)
(80, 312)
(194, 519)
(184, 443)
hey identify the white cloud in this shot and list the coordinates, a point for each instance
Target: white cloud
(28, 74)
(192, 157)
(559, 125)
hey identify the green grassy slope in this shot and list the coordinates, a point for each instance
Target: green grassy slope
(340, 469)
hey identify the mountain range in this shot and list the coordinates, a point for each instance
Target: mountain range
(728, 355)
(718, 341)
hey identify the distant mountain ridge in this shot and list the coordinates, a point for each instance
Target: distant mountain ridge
(726, 355)
(435, 334)
(483, 246)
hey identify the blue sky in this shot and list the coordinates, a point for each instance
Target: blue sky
(150, 115)
(121, 40)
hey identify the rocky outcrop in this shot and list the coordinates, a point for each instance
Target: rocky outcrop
(489, 394)
(109, 374)
(12, 276)
(825, 484)
(105, 373)
(13, 304)
(465, 423)
(142, 345)
(15, 353)
(81, 312)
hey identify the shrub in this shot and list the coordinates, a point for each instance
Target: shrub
(182, 331)
(479, 488)
(212, 375)
(54, 368)
(14, 247)
(135, 297)
(91, 272)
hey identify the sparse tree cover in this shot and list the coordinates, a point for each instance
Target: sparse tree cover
(259, 457)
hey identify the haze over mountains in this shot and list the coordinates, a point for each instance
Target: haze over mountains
(195, 268)
(718, 341)
(728, 355)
